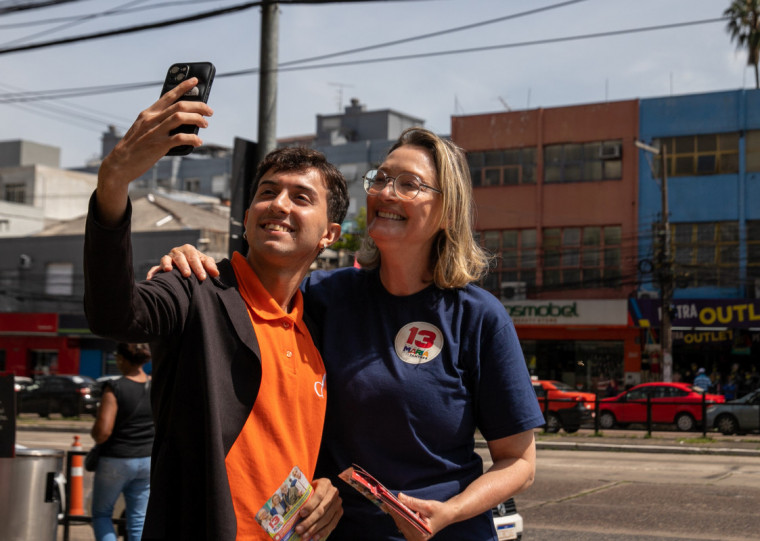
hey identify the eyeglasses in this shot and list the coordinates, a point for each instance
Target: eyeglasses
(405, 185)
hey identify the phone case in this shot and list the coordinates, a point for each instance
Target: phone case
(177, 73)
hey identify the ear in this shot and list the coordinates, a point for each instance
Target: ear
(331, 236)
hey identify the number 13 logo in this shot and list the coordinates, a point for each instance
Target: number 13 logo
(418, 342)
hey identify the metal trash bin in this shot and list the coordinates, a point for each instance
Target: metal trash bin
(30, 494)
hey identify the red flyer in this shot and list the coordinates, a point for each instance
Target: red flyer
(373, 490)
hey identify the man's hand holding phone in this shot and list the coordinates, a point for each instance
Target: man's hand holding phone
(150, 137)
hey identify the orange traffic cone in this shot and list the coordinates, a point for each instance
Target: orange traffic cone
(76, 483)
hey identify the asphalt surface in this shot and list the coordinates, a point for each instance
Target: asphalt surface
(629, 440)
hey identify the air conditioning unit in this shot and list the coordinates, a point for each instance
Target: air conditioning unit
(610, 151)
(513, 291)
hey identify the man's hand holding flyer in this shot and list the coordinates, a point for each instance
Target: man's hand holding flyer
(373, 490)
(279, 515)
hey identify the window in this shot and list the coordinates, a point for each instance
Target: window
(583, 162)
(693, 155)
(753, 249)
(515, 253)
(15, 193)
(508, 167)
(582, 257)
(706, 253)
(59, 279)
(193, 185)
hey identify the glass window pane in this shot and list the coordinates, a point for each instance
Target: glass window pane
(683, 255)
(705, 255)
(706, 164)
(573, 153)
(591, 257)
(706, 232)
(573, 173)
(477, 176)
(728, 141)
(707, 143)
(592, 277)
(683, 233)
(592, 170)
(528, 259)
(528, 237)
(613, 170)
(612, 257)
(493, 157)
(571, 258)
(592, 151)
(592, 236)
(551, 277)
(753, 230)
(551, 258)
(571, 236)
(529, 155)
(729, 163)
(612, 235)
(552, 173)
(511, 157)
(475, 159)
(553, 154)
(729, 254)
(528, 174)
(571, 277)
(492, 240)
(729, 232)
(511, 175)
(509, 238)
(551, 237)
(684, 165)
(509, 259)
(683, 145)
(491, 177)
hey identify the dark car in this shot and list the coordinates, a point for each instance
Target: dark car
(736, 416)
(69, 395)
(563, 406)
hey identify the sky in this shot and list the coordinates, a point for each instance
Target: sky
(521, 62)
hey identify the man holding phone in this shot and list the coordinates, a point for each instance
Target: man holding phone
(238, 385)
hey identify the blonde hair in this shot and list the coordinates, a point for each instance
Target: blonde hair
(456, 258)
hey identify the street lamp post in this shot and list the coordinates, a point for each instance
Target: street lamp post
(664, 265)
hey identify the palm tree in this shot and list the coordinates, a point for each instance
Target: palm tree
(744, 27)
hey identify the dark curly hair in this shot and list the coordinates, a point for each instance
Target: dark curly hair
(134, 354)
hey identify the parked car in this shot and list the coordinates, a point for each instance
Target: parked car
(563, 406)
(672, 403)
(508, 522)
(21, 382)
(66, 394)
(736, 416)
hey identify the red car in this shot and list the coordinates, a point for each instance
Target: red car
(563, 406)
(672, 403)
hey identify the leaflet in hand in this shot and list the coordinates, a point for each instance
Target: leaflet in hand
(373, 490)
(279, 515)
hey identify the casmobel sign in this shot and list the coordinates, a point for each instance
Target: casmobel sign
(568, 312)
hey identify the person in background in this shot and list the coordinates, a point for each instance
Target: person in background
(418, 357)
(702, 380)
(124, 430)
(236, 393)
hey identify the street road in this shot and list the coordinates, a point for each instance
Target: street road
(595, 496)
(598, 496)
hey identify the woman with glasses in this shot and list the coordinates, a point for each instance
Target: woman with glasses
(418, 357)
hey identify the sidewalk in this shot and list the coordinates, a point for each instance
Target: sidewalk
(583, 440)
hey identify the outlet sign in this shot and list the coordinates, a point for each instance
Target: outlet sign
(568, 312)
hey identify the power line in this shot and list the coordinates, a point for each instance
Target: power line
(290, 66)
(34, 5)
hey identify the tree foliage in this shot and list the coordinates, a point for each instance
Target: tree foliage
(743, 26)
(352, 241)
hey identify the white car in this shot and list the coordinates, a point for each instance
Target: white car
(508, 522)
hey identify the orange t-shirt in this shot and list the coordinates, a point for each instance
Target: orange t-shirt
(284, 428)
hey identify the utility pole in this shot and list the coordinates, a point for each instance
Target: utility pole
(268, 79)
(665, 273)
(666, 276)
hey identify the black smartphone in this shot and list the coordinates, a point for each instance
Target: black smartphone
(177, 73)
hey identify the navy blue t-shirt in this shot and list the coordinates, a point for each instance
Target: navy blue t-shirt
(409, 380)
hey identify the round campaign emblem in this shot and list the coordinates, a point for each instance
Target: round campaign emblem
(418, 342)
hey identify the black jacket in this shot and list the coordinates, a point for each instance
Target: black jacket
(206, 375)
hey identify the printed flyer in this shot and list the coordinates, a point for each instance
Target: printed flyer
(279, 515)
(373, 490)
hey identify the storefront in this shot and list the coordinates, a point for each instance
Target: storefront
(720, 335)
(584, 343)
(33, 344)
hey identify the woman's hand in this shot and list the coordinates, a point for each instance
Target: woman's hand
(188, 260)
(320, 514)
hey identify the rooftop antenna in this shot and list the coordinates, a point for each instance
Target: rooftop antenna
(504, 103)
(340, 86)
